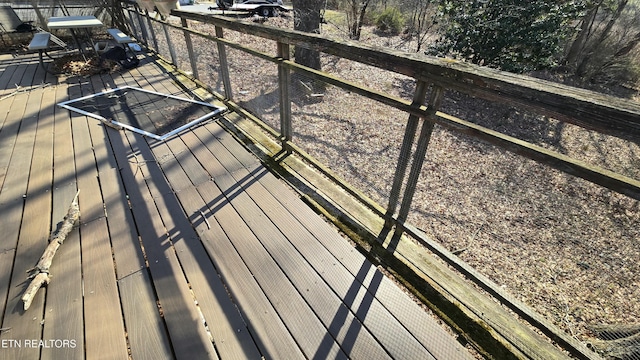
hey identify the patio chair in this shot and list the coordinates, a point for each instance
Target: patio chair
(10, 23)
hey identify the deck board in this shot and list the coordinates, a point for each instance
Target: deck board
(416, 320)
(271, 333)
(62, 321)
(18, 142)
(35, 223)
(187, 248)
(101, 299)
(6, 264)
(178, 307)
(147, 335)
(291, 260)
(390, 294)
(226, 324)
(146, 329)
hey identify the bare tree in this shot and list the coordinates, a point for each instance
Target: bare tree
(420, 21)
(603, 35)
(356, 11)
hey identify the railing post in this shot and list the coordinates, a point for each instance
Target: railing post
(142, 36)
(224, 65)
(152, 32)
(284, 82)
(172, 52)
(405, 153)
(435, 100)
(192, 58)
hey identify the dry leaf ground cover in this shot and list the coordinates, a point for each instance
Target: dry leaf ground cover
(567, 248)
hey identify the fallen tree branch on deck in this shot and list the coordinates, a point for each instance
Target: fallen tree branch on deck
(40, 273)
(20, 90)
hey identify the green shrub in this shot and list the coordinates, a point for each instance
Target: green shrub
(511, 35)
(390, 21)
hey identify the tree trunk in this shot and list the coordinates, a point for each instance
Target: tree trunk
(307, 19)
(363, 10)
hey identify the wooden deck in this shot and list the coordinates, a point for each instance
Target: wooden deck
(188, 248)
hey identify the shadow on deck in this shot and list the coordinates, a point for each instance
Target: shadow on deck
(186, 248)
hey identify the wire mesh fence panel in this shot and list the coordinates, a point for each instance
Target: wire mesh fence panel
(357, 138)
(619, 153)
(207, 59)
(559, 244)
(255, 86)
(161, 38)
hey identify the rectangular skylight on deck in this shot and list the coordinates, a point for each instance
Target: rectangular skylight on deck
(146, 112)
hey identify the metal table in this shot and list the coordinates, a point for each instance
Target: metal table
(75, 22)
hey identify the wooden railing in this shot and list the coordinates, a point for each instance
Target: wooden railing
(591, 110)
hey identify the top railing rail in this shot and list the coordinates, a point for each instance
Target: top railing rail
(589, 109)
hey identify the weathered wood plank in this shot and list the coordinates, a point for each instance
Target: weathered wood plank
(90, 198)
(145, 329)
(180, 148)
(101, 301)
(63, 316)
(359, 297)
(183, 321)
(342, 282)
(338, 315)
(15, 148)
(226, 325)
(416, 320)
(267, 327)
(6, 264)
(122, 228)
(34, 233)
(274, 341)
(13, 189)
(12, 80)
(6, 85)
(229, 330)
(244, 157)
(304, 325)
(190, 165)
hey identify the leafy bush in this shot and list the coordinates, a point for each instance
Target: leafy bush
(511, 35)
(390, 21)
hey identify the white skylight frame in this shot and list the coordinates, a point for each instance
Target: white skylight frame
(217, 110)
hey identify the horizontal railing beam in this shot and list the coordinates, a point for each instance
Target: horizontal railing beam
(603, 113)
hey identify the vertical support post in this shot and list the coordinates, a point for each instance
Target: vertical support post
(41, 18)
(435, 100)
(152, 32)
(284, 83)
(405, 152)
(224, 65)
(135, 26)
(192, 57)
(172, 52)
